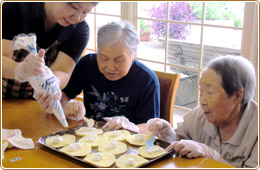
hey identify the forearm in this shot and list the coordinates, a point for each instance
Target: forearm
(63, 77)
(8, 67)
(64, 99)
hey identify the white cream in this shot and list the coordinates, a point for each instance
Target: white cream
(112, 144)
(139, 137)
(130, 161)
(92, 138)
(116, 133)
(74, 147)
(57, 139)
(154, 149)
(98, 156)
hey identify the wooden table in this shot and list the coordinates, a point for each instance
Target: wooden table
(30, 118)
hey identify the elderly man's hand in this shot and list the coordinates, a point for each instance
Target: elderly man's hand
(193, 149)
(119, 122)
(162, 129)
(33, 65)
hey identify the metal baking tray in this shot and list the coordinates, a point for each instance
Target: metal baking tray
(131, 149)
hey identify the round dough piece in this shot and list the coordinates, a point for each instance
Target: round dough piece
(130, 161)
(104, 161)
(58, 141)
(83, 131)
(113, 147)
(119, 135)
(153, 152)
(77, 149)
(138, 139)
(93, 140)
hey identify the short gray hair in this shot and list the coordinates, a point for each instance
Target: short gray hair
(236, 73)
(122, 31)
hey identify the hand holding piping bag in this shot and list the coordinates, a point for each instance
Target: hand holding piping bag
(45, 83)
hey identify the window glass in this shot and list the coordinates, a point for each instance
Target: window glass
(185, 11)
(150, 47)
(157, 10)
(187, 91)
(113, 8)
(184, 44)
(225, 13)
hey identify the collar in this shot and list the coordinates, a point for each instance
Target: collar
(237, 137)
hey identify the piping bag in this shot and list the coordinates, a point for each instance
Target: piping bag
(44, 83)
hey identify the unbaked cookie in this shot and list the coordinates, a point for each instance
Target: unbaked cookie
(102, 160)
(58, 141)
(83, 131)
(138, 139)
(77, 149)
(93, 140)
(119, 135)
(152, 152)
(113, 147)
(130, 161)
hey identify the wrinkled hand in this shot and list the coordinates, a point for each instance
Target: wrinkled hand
(74, 110)
(33, 65)
(46, 99)
(119, 122)
(193, 149)
(162, 129)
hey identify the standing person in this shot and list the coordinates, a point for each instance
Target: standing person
(225, 125)
(116, 86)
(62, 35)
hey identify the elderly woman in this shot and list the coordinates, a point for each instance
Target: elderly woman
(116, 86)
(225, 125)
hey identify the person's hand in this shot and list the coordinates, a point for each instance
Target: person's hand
(162, 129)
(119, 122)
(46, 99)
(193, 149)
(33, 65)
(74, 110)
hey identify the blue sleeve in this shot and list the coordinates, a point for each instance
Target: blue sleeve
(149, 106)
(76, 82)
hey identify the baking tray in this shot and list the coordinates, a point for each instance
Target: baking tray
(131, 149)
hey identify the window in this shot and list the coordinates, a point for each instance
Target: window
(183, 36)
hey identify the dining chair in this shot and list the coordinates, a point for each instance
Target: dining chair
(168, 88)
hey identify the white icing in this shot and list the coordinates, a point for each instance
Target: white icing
(139, 137)
(131, 161)
(57, 139)
(112, 144)
(92, 138)
(98, 156)
(116, 133)
(74, 147)
(154, 149)
(22, 40)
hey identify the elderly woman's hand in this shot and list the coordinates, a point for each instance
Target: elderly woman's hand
(119, 122)
(74, 110)
(193, 149)
(162, 129)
